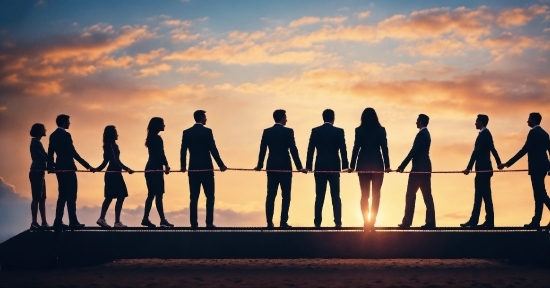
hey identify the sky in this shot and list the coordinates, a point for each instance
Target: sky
(122, 62)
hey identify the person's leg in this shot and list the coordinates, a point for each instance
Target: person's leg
(194, 192)
(72, 189)
(272, 186)
(286, 187)
(61, 198)
(160, 206)
(365, 183)
(410, 199)
(320, 191)
(478, 196)
(118, 209)
(377, 180)
(42, 208)
(36, 186)
(334, 181)
(34, 210)
(539, 193)
(209, 187)
(105, 207)
(148, 205)
(426, 188)
(488, 199)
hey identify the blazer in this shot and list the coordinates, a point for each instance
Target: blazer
(366, 150)
(38, 155)
(200, 142)
(280, 140)
(111, 156)
(157, 158)
(420, 153)
(536, 148)
(481, 155)
(328, 140)
(61, 144)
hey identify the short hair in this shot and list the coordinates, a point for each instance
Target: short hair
(62, 119)
(199, 115)
(535, 116)
(424, 119)
(278, 115)
(328, 115)
(483, 118)
(36, 129)
(153, 128)
(109, 135)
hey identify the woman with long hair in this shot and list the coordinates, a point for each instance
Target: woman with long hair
(36, 175)
(155, 179)
(115, 187)
(370, 153)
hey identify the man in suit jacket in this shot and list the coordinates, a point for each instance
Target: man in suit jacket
(61, 144)
(328, 140)
(420, 156)
(481, 155)
(280, 140)
(536, 147)
(200, 142)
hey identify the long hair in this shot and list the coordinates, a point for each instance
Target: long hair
(155, 126)
(369, 119)
(109, 136)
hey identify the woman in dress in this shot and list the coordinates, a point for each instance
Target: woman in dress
(36, 175)
(155, 179)
(115, 187)
(370, 153)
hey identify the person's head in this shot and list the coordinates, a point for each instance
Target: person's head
(200, 116)
(279, 116)
(369, 119)
(534, 119)
(422, 121)
(482, 121)
(110, 135)
(63, 121)
(328, 116)
(38, 130)
(156, 124)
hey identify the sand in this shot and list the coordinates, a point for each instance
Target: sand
(286, 273)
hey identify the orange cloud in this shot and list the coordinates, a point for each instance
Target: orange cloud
(363, 15)
(520, 16)
(189, 69)
(308, 20)
(155, 70)
(210, 74)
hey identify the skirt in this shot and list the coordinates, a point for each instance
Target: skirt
(115, 187)
(155, 183)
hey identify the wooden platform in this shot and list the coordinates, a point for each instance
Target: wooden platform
(88, 246)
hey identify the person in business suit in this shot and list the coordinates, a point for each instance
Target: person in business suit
(279, 139)
(481, 155)
(199, 140)
(328, 140)
(370, 153)
(536, 147)
(155, 179)
(36, 176)
(420, 156)
(61, 144)
(115, 187)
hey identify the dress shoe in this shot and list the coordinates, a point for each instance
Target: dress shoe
(194, 227)
(317, 225)
(120, 225)
(486, 225)
(34, 226)
(164, 223)
(468, 225)
(404, 226)
(211, 226)
(60, 225)
(285, 226)
(76, 225)
(427, 226)
(532, 225)
(338, 226)
(270, 225)
(44, 225)
(147, 223)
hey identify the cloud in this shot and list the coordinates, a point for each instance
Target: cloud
(308, 20)
(3, 108)
(210, 74)
(155, 70)
(188, 69)
(520, 16)
(363, 15)
(15, 213)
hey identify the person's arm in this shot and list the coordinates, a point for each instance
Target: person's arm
(183, 152)
(355, 150)
(75, 154)
(50, 163)
(343, 151)
(473, 158)
(523, 151)
(294, 151)
(105, 160)
(214, 150)
(494, 150)
(385, 150)
(263, 150)
(161, 152)
(416, 145)
(310, 151)
(116, 157)
(38, 150)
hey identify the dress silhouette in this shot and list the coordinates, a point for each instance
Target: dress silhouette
(36, 175)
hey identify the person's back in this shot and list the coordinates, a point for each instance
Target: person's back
(61, 144)
(484, 146)
(370, 145)
(328, 140)
(537, 156)
(112, 153)
(279, 140)
(155, 147)
(421, 152)
(200, 142)
(38, 155)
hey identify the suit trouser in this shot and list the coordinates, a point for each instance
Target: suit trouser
(333, 180)
(365, 180)
(67, 187)
(482, 193)
(541, 198)
(274, 180)
(197, 179)
(424, 183)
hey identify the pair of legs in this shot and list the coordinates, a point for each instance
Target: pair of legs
(68, 186)
(540, 195)
(321, 180)
(38, 188)
(149, 204)
(424, 183)
(365, 181)
(206, 180)
(483, 194)
(118, 208)
(155, 191)
(274, 180)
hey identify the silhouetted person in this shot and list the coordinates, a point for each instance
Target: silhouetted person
(420, 156)
(481, 155)
(115, 187)
(61, 144)
(280, 140)
(536, 147)
(328, 140)
(36, 175)
(155, 179)
(370, 152)
(202, 147)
